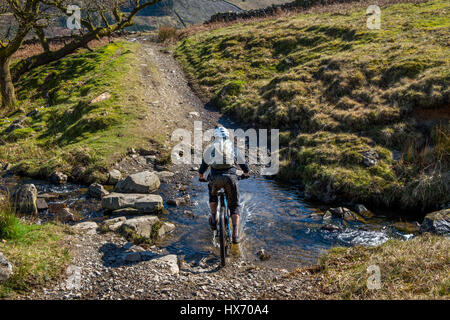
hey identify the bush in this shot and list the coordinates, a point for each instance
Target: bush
(166, 33)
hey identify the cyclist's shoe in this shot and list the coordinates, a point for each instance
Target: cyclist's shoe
(212, 223)
(236, 238)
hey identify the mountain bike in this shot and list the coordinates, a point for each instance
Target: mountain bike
(223, 225)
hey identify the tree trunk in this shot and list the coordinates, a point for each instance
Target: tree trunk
(42, 39)
(6, 85)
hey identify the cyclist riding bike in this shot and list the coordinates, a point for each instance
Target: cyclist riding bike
(222, 157)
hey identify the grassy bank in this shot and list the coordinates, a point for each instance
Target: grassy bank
(37, 252)
(69, 130)
(363, 113)
(415, 269)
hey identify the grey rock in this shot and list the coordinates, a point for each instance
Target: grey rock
(165, 176)
(114, 176)
(65, 215)
(144, 203)
(41, 204)
(360, 209)
(97, 191)
(170, 262)
(437, 222)
(145, 152)
(115, 223)
(178, 202)
(331, 228)
(6, 268)
(369, 158)
(327, 216)
(142, 226)
(343, 213)
(262, 255)
(161, 168)
(78, 172)
(25, 199)
(125, 212)
(165, 229)
(150, 159)
(132, 256)
(73, 281)
(142, 182)
(58, 178)
(88, 227)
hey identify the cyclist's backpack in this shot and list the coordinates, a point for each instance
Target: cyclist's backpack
(222, 154)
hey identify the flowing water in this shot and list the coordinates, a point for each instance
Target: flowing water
(274, 217)
(277, 219)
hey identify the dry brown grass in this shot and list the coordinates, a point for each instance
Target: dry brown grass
(415, 269)
(167, 34)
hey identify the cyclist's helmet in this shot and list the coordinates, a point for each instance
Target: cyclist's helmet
(221, 132)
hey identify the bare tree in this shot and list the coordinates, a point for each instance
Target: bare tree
(100, 18)
(25, 14)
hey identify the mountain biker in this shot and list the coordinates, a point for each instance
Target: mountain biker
(221, 156)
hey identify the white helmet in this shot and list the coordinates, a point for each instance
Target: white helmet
(221, 132)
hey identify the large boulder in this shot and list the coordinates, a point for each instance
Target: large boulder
(25, 199)
(6, 269)
(114, 176)
(142, 182)
(97, 191)
(144, 203)
(437, 222)
(142, 226)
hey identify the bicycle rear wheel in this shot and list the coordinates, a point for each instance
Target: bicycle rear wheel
(223, 238)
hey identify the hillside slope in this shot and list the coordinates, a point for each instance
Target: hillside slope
(256, 4)
(364, 114)
(60, 125)
(179, 13)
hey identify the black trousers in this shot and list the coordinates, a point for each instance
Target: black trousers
(229, 183)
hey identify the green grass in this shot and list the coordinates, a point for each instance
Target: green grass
(70, 131)
(37, 252)
(343, 271)
(338, 90)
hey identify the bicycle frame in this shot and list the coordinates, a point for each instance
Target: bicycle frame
(224, 204)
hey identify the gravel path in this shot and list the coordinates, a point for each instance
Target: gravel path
(102, 265)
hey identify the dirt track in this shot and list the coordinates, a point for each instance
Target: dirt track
(98, 269)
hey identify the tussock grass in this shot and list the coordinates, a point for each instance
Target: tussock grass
(68, 130)
(37, 252)
(338, 91)
(344, 270)
(166, 33)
